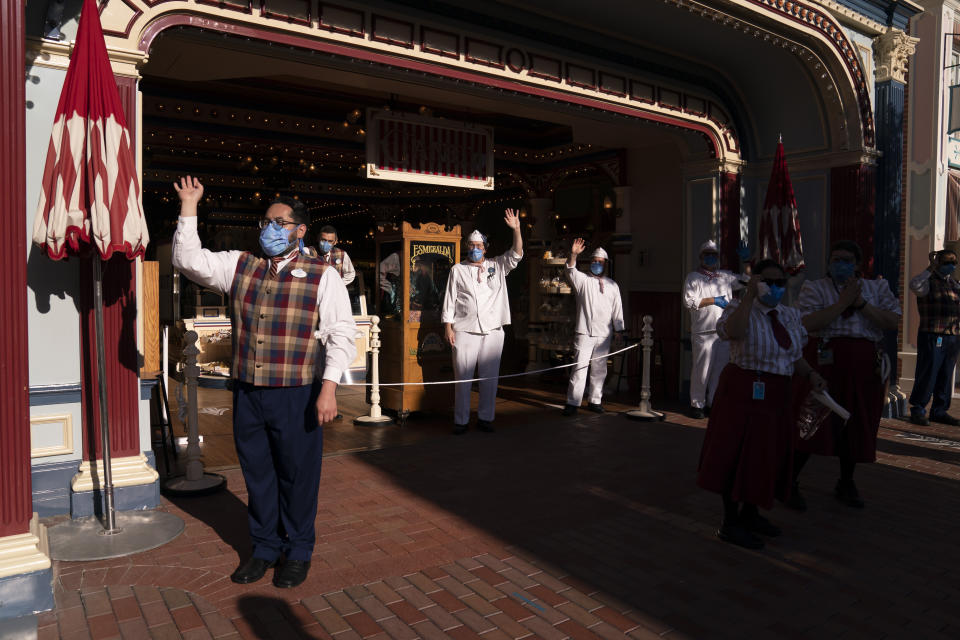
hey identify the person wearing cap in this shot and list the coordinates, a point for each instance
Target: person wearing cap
(330, 254)
(706, 292)
(848, 315)
(293, 337)
(599, 317)
(938, 339)
(475, 309)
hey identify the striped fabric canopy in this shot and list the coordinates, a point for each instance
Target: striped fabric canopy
(779, 225)
(90, 186)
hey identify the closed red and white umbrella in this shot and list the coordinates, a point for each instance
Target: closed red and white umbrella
(779, 224)
(91, 194)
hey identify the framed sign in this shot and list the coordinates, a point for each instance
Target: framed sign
(953, 152)
(414, 148)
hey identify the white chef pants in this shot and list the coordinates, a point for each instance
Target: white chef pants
(588, 347)
(710, 356)
(481, 352)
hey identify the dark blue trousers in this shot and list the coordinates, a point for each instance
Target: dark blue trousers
(934, 374)
(280, 446)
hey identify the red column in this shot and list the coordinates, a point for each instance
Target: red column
(120, 338)
(16, 502)
(730, 220)
(852, 204)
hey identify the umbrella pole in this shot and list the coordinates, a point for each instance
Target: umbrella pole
(110, 525)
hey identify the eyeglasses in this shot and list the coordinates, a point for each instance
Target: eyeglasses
(780, 282)
(280, 222)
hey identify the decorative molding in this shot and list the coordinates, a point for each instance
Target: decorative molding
(56, 55)
(25, 552)
(127, 472)
(66, 444)
(851, 17)
(891, 55)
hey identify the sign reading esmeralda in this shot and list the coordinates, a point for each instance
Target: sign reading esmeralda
(414, 148)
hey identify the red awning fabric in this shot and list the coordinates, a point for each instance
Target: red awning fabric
(779, 225)
(90, 187)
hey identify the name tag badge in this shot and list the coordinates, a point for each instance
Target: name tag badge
(298, 273)
(759, 390)
(939, 341)
(825, 356)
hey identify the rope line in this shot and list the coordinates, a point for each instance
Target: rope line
(509, 375)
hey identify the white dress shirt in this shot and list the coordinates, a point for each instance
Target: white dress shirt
(759, 349)
(699, 286)
(479, 307)
(215, 269)
(816, 295)
(597, 313)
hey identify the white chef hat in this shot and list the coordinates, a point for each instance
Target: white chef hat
(709, 247)
(476, 236)
(600, 253)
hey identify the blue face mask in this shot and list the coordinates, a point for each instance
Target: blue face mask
(841, 270)
(596, 268)
(772, 299)
(325, 246)
(274, 240)
(475, 255)
(710, 261)
(946, 269)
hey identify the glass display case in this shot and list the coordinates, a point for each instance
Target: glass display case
(413, 265)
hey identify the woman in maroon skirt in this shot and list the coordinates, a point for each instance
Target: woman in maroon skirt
(848, 315)
(748, 448)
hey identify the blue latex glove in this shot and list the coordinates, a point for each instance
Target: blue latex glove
(720, 301)
(743, 252)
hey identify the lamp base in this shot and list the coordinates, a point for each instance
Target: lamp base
(83, 539)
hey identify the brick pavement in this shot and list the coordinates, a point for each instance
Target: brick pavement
(580, 528)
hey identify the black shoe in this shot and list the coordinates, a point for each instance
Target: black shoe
(291, 573)
(944, 418)
(796, 500)
(920, 419)
(846, 492)
(759, 524)
(459, 429)
(569, 410)
(697, 413)
(485, 426)
(596, 408)
(251, 570)
(735, 534)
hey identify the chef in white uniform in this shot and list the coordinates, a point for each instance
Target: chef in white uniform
(475, 308)
(706, 292)
(599, 315)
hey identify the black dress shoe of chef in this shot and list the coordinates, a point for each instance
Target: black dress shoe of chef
(291, 573)
(697, 413)
(459, 429)
(945, 418)
(569, 410)
(251, 570)
(596, 408)
(735, 534)
(485, 426)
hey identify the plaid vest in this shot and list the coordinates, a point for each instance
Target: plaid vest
(940, 308)
(273, 322)
(334, 259)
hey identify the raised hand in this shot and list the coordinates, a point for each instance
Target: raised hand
(512, 219)
(190, 190)
(578, 246)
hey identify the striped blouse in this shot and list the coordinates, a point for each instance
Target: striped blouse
(817, 295)
(758, 349)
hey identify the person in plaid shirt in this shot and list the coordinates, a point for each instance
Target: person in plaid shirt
(281, 305)
(938, 338)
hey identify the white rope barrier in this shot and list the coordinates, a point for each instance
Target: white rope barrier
(503, 377)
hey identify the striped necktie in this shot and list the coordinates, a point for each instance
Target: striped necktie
(780, 331)
(276, 260)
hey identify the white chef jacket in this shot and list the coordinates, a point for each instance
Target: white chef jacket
(699, 286)
(216, 269)
(597, 313)
(479, 307)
